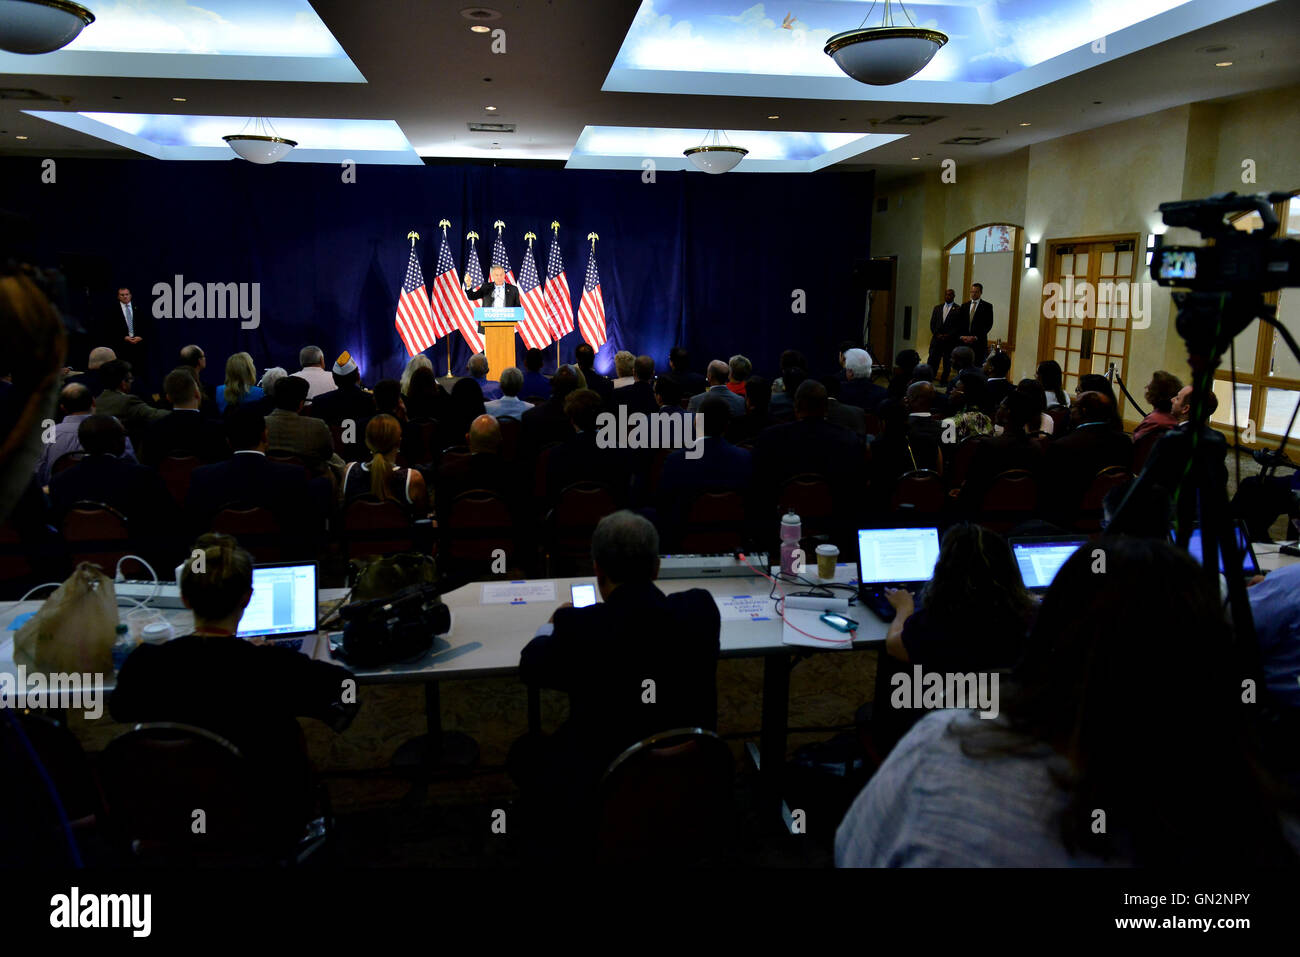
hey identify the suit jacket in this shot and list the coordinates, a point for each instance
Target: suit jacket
(863, 393)
(135, 491)
(304, 436)
(847, 416)
(601, 655)
(936, 317)
(692, 383)
(735, 402)
(131, 410)
(484, 292)
(249, 479)
(543, 425)
(351, 402)
(638, 397)
(599, 384)
(111, 331)
(997, 391)
(581, 459)
(977, 322)
(184, 432)
(482, 470)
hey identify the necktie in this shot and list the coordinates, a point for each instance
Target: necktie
(130, 322)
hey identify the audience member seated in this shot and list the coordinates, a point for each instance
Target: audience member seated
(790, 359)
(741, 368)
(781, 407)
(585, 357)
(858, 389)
(895, 452)
(464, 406)
(580, 458)
(509, 406)
(668, 396)
(477, 367)
(347, 400)
(267, 384)
(1074, 459)
(104, 476)
(624, 366)
(1180, 407)
(1160, 393)
(1150, 514)
(844, 347)
(602, 655)
(905, 364)
(997, 368)
(415, 362)
(922, 424)
(248, 479)
(744, 429)
(249, 692)
(679, 370)
(425, 399)
(1013, 449)
(312, 360)
(849, 417)
(1099, 383)
(1034, 389)
(381, 476)
(1128, 707)
(719, 373)
(640, 395)
(536, 385)
(962, 359)
(116, 400)
(77, 404)
(92, 378)
(714, 465)
(1275, 608)
(810, 444)
(548, 423)
(1048, 374)
(484, 469)
(239, 387)
(194, 359)
(184, 430)
(289, 431)
(965, 405)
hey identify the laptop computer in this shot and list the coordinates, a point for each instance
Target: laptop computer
(285, 603)
(894, 558)
(1040, 558)
(1249, 561)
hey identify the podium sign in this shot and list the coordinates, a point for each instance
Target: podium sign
(499, 336)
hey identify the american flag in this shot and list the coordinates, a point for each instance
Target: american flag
(414, 320)
(558, 304)
(499, 258)
(450, 307)
(475, 271)
(535, 330)
(591, 308)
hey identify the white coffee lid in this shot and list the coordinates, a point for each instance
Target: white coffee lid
(157, 632)
(789, 518)
(828, 550)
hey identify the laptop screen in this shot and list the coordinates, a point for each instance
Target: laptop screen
(897, 554)
(284, 601)
(1249, 564)
(1040, 559)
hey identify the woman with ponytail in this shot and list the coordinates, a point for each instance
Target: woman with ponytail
(381, 477)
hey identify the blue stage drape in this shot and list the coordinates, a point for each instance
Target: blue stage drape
(709, 262)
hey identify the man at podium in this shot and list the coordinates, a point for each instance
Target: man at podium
(496, 292)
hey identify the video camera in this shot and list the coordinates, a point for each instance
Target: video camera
(1238, 260)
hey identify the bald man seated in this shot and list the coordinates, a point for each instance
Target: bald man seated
(484, 469)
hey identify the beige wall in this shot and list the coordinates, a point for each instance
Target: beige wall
(1106, 181)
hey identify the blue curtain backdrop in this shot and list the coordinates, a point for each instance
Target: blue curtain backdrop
(709, 262)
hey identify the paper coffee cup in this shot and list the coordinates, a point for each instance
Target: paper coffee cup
(827, 555)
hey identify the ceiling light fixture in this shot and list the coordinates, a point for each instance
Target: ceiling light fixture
(887, 54)
(178, 99)
(479, 28)
(715, 156)
(490, 108)
(1026, 124)
(262, 146)
(1224, 63)
(19, 136)
(774, 116)
(41, 26)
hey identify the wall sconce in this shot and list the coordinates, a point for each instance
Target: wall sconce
(1031, 255)
(1153, 241)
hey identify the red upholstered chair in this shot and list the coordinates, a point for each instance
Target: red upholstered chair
(66, 461)
(476, 524)
(571, 522)
(808, 495)
(1143, 446)
(921, 492)
(1009, 501)
(715, 522)
(372, 527)
(175, 471)
(1088, 518)
(509, 438)
(961, 459)
(667, 800)
(256, 530)
(96, 533)
(1060, 417)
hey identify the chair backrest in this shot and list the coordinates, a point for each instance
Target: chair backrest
(372, 527)
(715, 522)
(256, 528)
(573, 520)
(961, 460)
(667, 799)
(455, 458)
(96, 533)
(66, 461)
(509, 438)
(808, 495)
(1089, 516)
(286, 458)
(1143, 446)
(539, 471)
(921, 490)
(175, 471)
(656, 470)
(1060, 416)
(155, 777)
(1011, 499)
(477, 523)
(874, 424)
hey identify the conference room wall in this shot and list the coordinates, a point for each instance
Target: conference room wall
(710, 262)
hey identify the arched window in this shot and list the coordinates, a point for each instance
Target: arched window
(990, 255)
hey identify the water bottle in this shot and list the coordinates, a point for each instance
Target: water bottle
(123, 645)
(791, 532)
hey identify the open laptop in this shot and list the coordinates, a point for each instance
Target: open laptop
(1249, 561)
(894, 558)
(1040, 558)
(285, 602)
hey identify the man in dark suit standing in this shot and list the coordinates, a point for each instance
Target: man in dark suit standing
(602, 656)
(496, 293)
(941, 341)
(975, 321)
(125, 330)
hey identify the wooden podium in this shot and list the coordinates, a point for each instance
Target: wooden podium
(499, 335)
